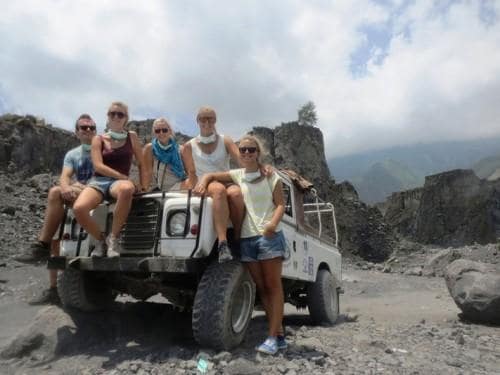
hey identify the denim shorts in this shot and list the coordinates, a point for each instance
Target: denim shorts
(258, 248)
(102, 184)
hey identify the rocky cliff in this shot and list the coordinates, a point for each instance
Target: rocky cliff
(453, 208)
(28, 146)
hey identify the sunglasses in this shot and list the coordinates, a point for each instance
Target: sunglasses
(162, 130)
(120, 115)
(250, 150)
(86, 128)
(209, 119)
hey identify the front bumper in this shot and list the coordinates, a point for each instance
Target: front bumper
(129, 264)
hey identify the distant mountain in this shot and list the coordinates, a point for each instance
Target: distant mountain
(484, 168)
(383, 178)
(376, 174)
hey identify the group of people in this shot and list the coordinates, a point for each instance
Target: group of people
(251, 197)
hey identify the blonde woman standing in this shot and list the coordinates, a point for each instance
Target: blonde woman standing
(262, 244)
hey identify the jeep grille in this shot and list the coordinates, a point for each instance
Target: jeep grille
(139, 232)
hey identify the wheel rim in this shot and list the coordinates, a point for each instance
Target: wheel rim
(242, 305)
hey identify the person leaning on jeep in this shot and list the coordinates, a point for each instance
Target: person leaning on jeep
(77, 170)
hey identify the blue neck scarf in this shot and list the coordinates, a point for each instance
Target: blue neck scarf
(169, 156)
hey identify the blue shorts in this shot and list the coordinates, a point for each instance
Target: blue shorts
(102, 184)
(258, 248)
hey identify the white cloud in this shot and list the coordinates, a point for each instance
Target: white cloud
(435, 76)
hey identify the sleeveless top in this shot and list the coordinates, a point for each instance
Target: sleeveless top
(164, 178)
(217, 161)
(120, 159)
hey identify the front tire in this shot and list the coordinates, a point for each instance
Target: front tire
(223, 305)
(323, 299)
(84, 290)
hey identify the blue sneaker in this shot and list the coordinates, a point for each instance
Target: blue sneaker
(281, 342)
(270, 346)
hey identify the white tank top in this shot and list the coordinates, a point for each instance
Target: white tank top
(217, 161)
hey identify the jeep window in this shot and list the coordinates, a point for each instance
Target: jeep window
(288, 199)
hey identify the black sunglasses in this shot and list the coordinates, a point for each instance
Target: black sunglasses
(250, 150)
(87, 128)
(210, 119)
(120, 115)
(162, 130)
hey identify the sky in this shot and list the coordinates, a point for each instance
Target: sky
(381, 73)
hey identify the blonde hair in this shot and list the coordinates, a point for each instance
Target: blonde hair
(122, 106)
(205, 110)
(260, 149)
(162, 120)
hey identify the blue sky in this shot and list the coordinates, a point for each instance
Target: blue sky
(381, 73)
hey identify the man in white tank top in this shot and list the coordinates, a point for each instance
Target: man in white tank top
(210, 152)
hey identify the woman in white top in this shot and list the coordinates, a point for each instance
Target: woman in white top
(164, 169)
(211, 152)
(262, 244)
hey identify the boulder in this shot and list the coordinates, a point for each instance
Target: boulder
(50, 331)
(475, 288)
(436, 265)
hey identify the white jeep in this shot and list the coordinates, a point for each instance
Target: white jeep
(169, 247)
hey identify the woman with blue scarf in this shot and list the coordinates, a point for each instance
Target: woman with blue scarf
(163, 165)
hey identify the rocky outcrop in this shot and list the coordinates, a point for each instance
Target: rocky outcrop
(436, 265)
(29, 146)
(362, 228)
(400, 210)
(475, 288)
(454, 208)
(458, 208)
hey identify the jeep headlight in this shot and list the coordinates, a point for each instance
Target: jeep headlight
(176, 223)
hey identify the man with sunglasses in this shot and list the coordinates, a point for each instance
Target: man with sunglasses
(77, 170)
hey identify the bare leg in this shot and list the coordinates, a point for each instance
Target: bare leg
(271, 270)
(88, 199)
(236, 209)
(53, 273)
(53, 215)
(217, 192)
(123, 191)
(255, 269)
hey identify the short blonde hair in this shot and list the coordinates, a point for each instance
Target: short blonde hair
(123, 106)
(162, 120)
(260, 149)
(206, 110)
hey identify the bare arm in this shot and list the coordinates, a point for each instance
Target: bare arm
(201, 187)
(187, 160)
(65, 183)
(279, 202)
(99, 167)
(137, 149)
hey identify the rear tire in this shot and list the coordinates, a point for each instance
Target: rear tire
(223, 305)
(323, 299)
(84, 291)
